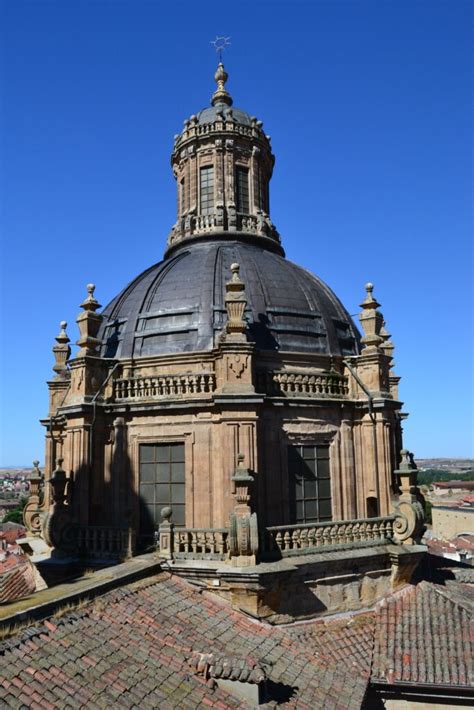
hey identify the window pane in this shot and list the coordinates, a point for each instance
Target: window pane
(178, 515)
(323, 451)
(323, 468)
(324, 487)
(177, 452)
(177, 473)
(177, 493)
(147, 472)
(311, 511)
(162, 452)
(308, 452)
(309, 468)
(162, 494)
(146, 453)
(324, 509)
(310, 489)
(299, 512)
(147, 492)
(162, 472)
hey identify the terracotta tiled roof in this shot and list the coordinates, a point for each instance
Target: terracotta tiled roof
(17, 578)
(346, 642)
(424, 635)
(134, 648)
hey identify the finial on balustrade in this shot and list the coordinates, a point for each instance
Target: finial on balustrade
(62, 352)
(235, 302)
(89, 323)
(371, 320)
(166, 535)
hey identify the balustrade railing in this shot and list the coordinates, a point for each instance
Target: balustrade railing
(299, 384)
(200, 543)
(164, 386)
(288, 540)
(102, 542)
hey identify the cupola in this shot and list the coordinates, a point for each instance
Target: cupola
(222, 162)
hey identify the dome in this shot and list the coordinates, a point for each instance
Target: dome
(178, 305)
(212, 113)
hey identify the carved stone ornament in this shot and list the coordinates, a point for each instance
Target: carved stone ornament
(62, 353)
(89, 323)
(408, 526)
(59, 529)
(235, 302)
(371, 319)
(33, 508)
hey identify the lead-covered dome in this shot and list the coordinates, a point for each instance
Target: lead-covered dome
(178, 305)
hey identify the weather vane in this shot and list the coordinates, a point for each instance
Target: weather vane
(220, 43)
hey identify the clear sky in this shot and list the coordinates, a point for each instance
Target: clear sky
(368, 103)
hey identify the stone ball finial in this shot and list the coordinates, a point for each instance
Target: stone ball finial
(91, 289)
(36, 464)
(369, 287)
(235, 268)
(63, 325)
(166, 513)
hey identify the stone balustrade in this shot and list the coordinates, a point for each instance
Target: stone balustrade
(288, 383)
(288, 540)
(200, 543)
(188, 384)
(102, 542)
(280, 540)
(193, 130)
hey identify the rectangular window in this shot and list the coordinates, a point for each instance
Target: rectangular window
(310, 483)
(162, 483)
(206, 186)
(242, 190)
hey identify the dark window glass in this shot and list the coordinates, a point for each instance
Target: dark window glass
(310, 485)
(207, 189)
(162, 483)
(242, 190)
(182, 196)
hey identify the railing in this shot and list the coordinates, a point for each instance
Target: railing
(165, 386)
(200, 543)
(196, 129)
(299, 384)
(103, 542)
(288, 540)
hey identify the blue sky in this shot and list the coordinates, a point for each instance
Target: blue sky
(369, 105)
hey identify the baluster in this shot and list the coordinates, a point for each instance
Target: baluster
(326, 536)
(295, 539)
(286, 540)
(341, 534)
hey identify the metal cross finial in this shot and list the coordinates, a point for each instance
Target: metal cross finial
(220, 43)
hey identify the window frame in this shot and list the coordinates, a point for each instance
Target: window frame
(207, 189)
(308, 474)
